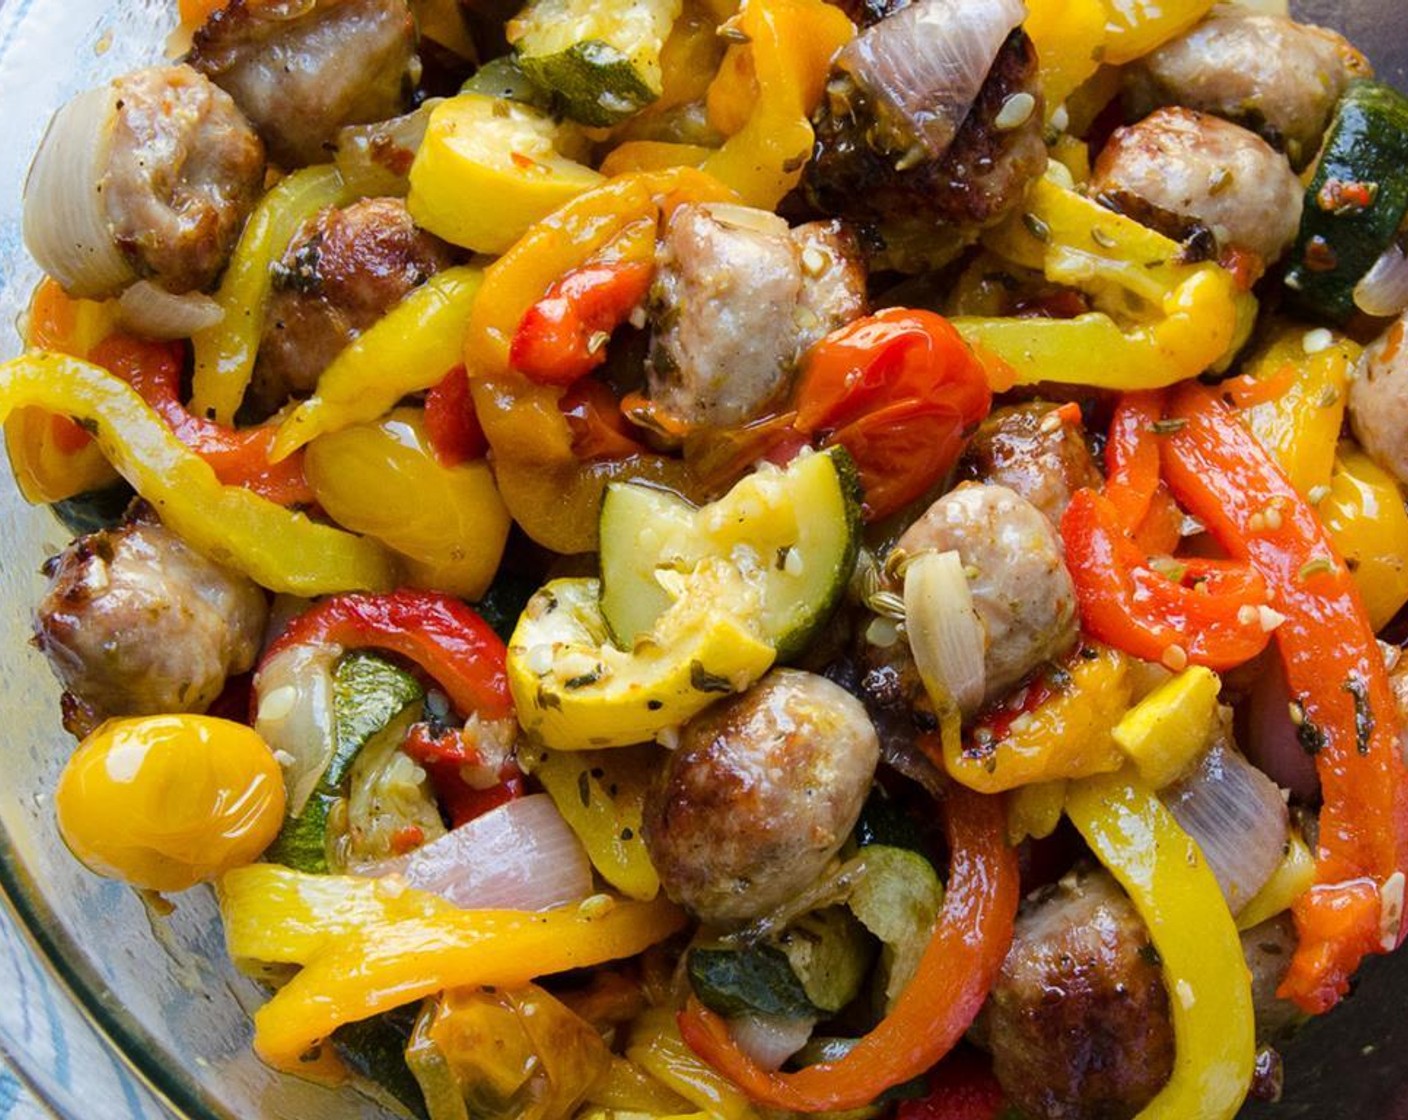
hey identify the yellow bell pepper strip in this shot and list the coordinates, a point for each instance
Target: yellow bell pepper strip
(601, 795)
(1194, 316)
(1209, 989)
(652, 155)
(383, 480)
(1300, 424)
(1294, 875)
(224, 353)
(1034, 811)
(629, 1087)
(791, 44)
(1061, 728)
(655, 1045)
(1136, 27)
(552, 494)
(52, 457)
(575, 690)
(1172, 726)
(410, 349)
(367, 946)
(1365, 516)
(278, 549)
(1350, 720)
(969, 943)
(1069, 36)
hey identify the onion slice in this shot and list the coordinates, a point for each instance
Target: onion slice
(770, 1039)
(1383, 290)
(294, 714)
(520, 856)
(925, 64)
(66, 227)
(1238, 818)
(945, 633)
(150, 310)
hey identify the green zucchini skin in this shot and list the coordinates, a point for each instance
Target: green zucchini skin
(593, 82)
(738, 981)
(1365, 152)
(368, 693)
(94, 510)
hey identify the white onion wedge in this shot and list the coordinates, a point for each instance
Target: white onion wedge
(150, 310)
(294, 714)
(945, 632)
(1383, 290)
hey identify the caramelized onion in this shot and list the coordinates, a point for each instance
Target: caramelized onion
(1237, 816)
(66, 227)
(925, 64)
(770, 1039)
(149, 309)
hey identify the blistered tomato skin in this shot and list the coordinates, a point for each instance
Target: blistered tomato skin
(166, 802)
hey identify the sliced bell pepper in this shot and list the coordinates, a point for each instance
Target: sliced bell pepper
(1069, 36)
(279, 549)
(898, 390)
(552, 494)
(1365, 516)
(239, 456)
(563, 336)
(411, 348)
(1136, 27)
(366, 946)
(454, 431)
(51, 456)
(1195, 614)
(225, 352)
(440, 634)
(790, 44)
(1174, 890)
(1350, 720)
(1300, 424)
(1191, 317)
(969, 943)
(1132, 482)
(1067, 734)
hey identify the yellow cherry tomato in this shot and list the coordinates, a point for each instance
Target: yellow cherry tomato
(384, 481)
(165, 802)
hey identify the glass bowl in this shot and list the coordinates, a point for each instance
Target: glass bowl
(160, 992)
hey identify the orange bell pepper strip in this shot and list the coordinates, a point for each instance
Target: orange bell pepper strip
(790, 44)
(238, 456)
(550, 492)
(969, 943)
(1225, 478)
(51, 456)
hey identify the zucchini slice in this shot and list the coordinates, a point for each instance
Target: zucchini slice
(600, 57)
(793, 534)
(758, 980)
(1356, 200)
(488, 168)
(576, 690)
(369, 695)
(898, 901)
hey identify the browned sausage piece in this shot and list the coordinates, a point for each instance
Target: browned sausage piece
(345, 269)
(301, 69)
(1022, 592)
(1279, 78)
(1078, 1021)
(760, 794)
(737, 299)
(1026, 448)
(1207, 170)
(134, 622)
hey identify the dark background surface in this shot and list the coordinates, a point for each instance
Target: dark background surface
(1353, 1065)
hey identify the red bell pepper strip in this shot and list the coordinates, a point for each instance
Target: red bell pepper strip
(959, 965)
(898, 390)
(1132, 481)
(239, 456)
(962, 1087)
(563, 336)
(599, 429)
(440, 634)
(1225, 478)
(1198, 617)
(450, 423)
